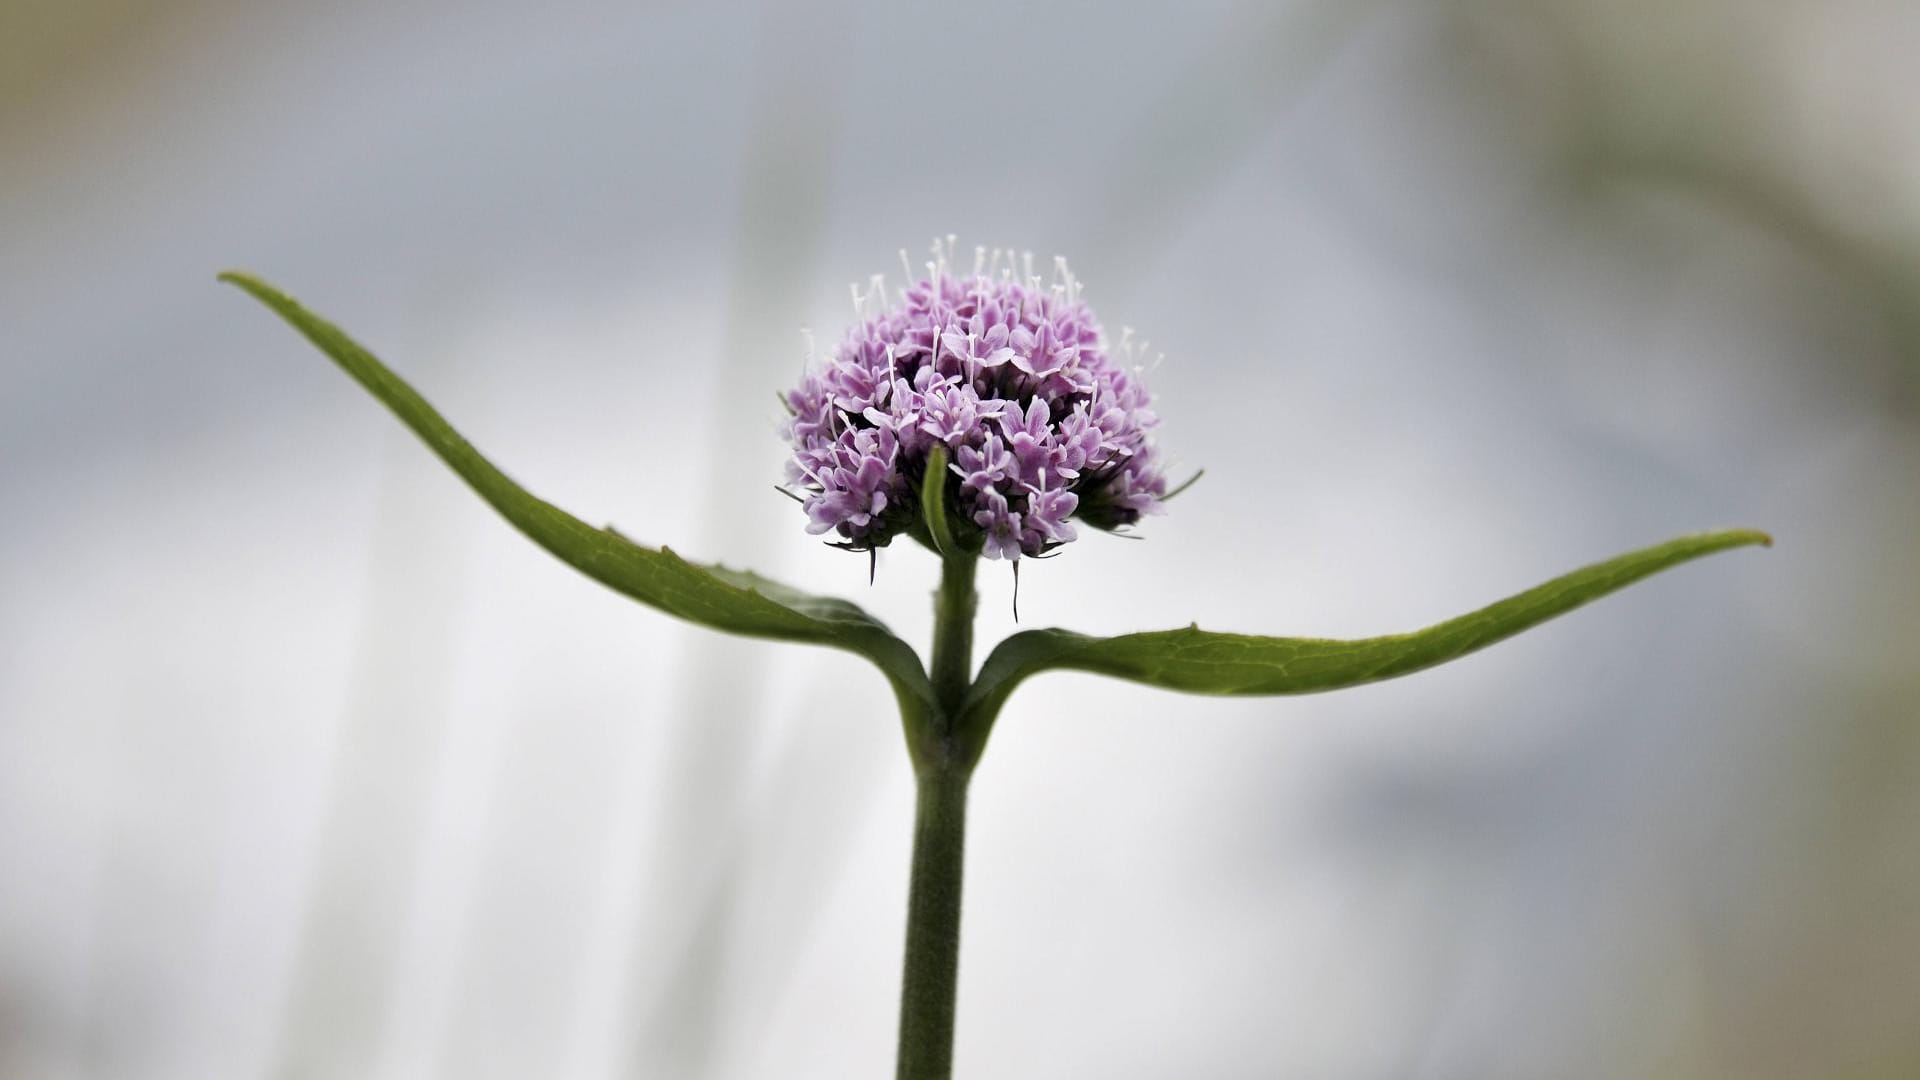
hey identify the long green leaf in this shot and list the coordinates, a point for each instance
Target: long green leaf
(1203, 662)
(734, 601)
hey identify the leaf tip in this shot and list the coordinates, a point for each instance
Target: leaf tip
(1744, 538)
(253, 285)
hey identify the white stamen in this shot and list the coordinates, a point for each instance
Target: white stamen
(1065, 275)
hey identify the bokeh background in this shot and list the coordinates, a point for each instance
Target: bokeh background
(310, 767)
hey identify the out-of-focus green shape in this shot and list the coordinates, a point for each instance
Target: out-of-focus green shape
(1202, 662)
(735, 601)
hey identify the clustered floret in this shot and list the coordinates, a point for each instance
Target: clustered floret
(1012, 377)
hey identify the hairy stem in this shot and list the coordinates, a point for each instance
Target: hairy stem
(942, 767)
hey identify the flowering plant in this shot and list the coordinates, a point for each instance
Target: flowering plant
(980, 415)
(1011, 379)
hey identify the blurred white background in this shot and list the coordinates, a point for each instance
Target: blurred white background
(310, 767)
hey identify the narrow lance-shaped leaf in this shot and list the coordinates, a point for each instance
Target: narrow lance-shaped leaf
(1203, 662)
(734, 601)
(933, 505)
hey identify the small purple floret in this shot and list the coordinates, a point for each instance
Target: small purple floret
(1013, 377)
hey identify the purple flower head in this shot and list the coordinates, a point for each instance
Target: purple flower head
(1012, 376)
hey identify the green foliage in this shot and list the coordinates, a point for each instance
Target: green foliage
(735, 601)
(1203, 662)
(1190, 659)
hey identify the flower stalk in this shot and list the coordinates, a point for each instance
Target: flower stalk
(943, 766)
(931, 976)
(951, 666)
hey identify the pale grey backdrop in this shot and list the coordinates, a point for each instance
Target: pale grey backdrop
(309, 767)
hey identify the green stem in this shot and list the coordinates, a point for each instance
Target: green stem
(933, 926)
(953, 609)
(942, 766)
